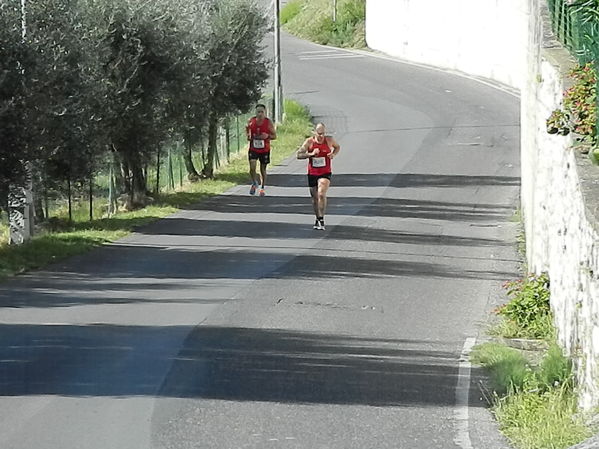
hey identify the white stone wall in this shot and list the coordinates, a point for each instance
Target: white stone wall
(503, 40)
(561, 231)
(479, 37)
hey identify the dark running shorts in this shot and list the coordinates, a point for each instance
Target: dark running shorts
(264, 158)
(313, 179)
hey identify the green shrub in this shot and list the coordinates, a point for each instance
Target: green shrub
(529, 309)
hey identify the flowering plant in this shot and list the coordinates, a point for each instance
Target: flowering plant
(580, 100)
(579, 112)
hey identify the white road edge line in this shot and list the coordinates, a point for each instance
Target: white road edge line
(462, 397)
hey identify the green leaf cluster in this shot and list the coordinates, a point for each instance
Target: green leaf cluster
(528, 309)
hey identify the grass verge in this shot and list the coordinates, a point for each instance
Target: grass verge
(313, 20)
(535, 404)
(67, 239)
(531, 388)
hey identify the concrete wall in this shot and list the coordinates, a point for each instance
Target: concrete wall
(479, 37)
(509, 41)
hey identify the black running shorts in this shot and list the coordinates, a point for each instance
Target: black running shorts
(264, 158)
(313, 179)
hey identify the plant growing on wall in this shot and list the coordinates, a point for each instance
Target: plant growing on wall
(579, 113)
(528, 310)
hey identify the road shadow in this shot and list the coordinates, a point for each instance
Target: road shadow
(121, 274)
(227, 363)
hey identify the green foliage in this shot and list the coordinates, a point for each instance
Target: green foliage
(588, 10)
(290, 10)
(507, 366)
(119, 75)
(580, 100)
(555, 370)
(313, 20)
(535, 406)
(579, 113)
(549, 420)
(528, 310)
(511, 372)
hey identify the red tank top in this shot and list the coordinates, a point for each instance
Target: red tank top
(259, 145)
(321, 164)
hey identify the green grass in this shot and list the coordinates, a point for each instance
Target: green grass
(62, 239)
(542, 421)
(313, 20)
(290, 10)
(535, 405)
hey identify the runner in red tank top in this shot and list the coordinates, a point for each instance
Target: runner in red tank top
(260, 131)
(320, 150)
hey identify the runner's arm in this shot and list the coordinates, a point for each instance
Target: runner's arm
(303, 153)
(272, 132)
(336, 147)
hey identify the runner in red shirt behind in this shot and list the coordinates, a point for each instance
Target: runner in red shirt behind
(320, 150)
(260, 131)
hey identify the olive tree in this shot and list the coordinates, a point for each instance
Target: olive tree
(236, 61)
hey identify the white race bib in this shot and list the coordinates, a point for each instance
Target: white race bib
(318, 162)
(258, 143)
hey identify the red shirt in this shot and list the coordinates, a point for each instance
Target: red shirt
(259, 145)
(321, 164)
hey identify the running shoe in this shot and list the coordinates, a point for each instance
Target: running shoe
(316, 224)
(262, 192)
(253, 189)
(321, 228)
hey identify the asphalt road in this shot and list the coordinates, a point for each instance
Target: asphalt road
(234, 324)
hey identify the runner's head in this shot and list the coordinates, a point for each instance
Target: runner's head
(319, 131)
(260, 110)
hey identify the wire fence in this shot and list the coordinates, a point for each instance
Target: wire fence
(576, 25)
(97, 196)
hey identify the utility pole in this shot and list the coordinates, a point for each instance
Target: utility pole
(20, 200)
(334, 10)
(278, 90)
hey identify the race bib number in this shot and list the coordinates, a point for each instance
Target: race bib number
(258, 143)
(318, 162)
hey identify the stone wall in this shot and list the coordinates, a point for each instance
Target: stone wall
(509, 41)
(560, 205)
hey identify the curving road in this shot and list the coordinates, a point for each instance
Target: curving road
(235, 325)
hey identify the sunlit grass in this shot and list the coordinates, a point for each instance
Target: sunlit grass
(534, 401)
(313, 20)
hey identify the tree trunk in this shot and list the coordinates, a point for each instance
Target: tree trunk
(208, 169)
(134, 181)
(192, 173)
(139, 198)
